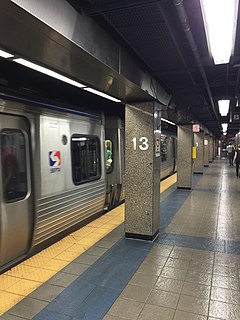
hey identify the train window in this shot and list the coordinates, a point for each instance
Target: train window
(85, 158)
(163, 148)
(14, 166)
(109, 156)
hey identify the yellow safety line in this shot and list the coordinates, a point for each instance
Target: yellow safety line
(26, 277)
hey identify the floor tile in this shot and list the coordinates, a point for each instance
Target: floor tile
(199, 277)
(109, 317)
(163, 298)
(181, 315)
(193, 305)
(75, 268)
(169, 285)
(126, 308)
(156, 313)
(46, 292)
(150, 268)
(173, 273)
(225, 295)
(135, 292)
(28, 308)
(177, 263)
(144, 280)
(225, 282)
(196, 290)
(62, 279)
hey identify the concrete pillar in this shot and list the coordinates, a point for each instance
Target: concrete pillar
(210, 149)
(206, 151)
(198, 142)
(214, 148)
(184, 157)
(142, 170)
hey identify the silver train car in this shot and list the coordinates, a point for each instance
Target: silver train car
(60, 168)
(168, 154)
(52, 174)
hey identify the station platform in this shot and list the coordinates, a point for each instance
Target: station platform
(190, 271)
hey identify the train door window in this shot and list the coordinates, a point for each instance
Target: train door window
(93, 158)
(85, 159)
(14, 166)
(109, 156)
(163, 146)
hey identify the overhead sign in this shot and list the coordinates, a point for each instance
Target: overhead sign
(196, 127)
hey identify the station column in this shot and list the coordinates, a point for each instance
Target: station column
(211, 149)
(198, 142)
(184, 157)
(142, 170)
(206, 151)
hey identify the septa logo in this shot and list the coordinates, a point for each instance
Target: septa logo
(54, 161)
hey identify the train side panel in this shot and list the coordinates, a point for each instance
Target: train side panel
(49, 192)
(63, 203)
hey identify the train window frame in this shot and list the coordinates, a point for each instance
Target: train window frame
(164, 148)
(110, 169)
(85, 161)
(24, 173)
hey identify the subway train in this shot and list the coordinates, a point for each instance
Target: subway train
(60, 167)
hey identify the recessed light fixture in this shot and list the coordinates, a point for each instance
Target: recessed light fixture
(5, 54)
(224, 127)
(99, 93)
(165, 120)
(49, 72)
(223, 107)
(220, 21)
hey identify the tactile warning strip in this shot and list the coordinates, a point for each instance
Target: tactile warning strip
(23, 279)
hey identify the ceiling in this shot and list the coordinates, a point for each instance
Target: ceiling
(168, 37)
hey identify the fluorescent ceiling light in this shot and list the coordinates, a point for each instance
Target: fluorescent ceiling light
(48, 72)
(223, 106)
(104, 95)
(5, 54)
(165, 120)
(79, 139)
(224, 126)
(220, 20)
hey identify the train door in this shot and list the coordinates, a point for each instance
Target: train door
(16, 215)
(114, 160)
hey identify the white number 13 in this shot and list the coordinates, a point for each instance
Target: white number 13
(143, 143)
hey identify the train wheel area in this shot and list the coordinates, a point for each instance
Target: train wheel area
(21, 281)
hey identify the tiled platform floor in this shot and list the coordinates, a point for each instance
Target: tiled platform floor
(191, 272)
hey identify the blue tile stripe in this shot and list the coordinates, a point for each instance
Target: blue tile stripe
(216, 245)
(171, 205)
(173, 202)
(91, 295)
(169, 208)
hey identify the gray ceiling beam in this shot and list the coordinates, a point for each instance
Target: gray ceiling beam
(108, 7)
(100, 63)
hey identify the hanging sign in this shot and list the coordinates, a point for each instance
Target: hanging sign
(196, 127)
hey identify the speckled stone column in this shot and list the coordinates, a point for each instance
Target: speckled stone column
(198, 162)
(210, 149)
(215, 147)
(184, 157)
(206, 151)
(142, 171)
